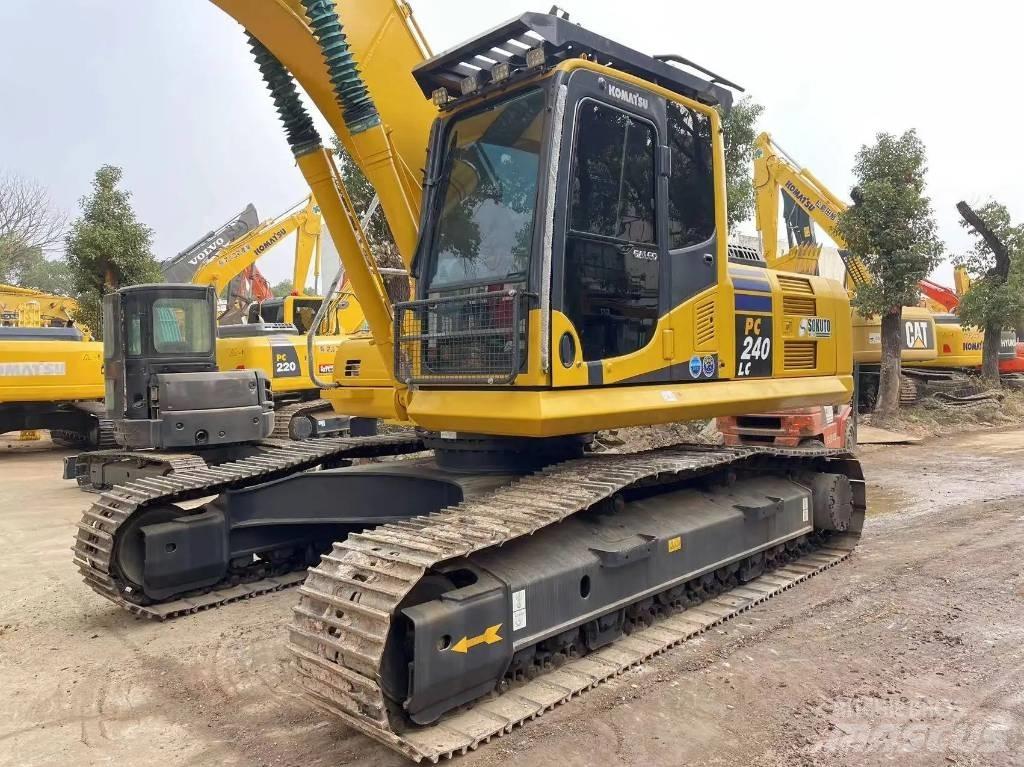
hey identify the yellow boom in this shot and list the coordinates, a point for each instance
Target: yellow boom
(387, 44)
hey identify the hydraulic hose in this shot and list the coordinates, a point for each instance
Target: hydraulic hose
(302, 134)
(358, 109)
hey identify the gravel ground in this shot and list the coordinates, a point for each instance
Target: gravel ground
(911, 653)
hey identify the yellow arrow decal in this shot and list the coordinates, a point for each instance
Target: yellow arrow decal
(490, 636)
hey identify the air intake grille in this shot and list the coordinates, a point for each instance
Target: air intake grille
(799, 305)
(470, 339)
(705, 324)
(800, 355)
(352, 368)
(796, 285)
(797, 296)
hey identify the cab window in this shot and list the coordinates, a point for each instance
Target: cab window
(611, 253)
(691, 185)
(181, 326)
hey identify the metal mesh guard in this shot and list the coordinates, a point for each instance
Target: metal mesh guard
(476, 338)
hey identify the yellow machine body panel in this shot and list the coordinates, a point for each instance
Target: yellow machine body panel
(283, 358)
(366, 389)
(573, 411)
(698, 360)
(958, 346)
(917, 341)
(50, 370)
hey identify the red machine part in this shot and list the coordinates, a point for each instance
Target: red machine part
(942, 295)
(258, 286)
(832, 427)
(1016, 365)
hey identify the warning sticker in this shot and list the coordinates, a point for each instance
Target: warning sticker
(518, 610)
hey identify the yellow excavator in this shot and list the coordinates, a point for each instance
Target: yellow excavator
(935, 344)
(572, 273)
(28, 306)
(270, 334)
(50, 370)
(942, 300)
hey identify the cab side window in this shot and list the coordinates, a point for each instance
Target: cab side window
(611, 253)
(691, 185)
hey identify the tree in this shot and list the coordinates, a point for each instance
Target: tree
(891, 229)
(107, 247)
(51, 275)
(29, 226)
(996, 297)
(739, 131)
(283, 288)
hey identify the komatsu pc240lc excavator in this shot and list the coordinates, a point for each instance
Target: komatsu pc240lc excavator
(572, 274)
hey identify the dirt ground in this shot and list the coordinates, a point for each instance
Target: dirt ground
(911, 653)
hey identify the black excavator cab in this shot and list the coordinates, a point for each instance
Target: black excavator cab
(163, 388)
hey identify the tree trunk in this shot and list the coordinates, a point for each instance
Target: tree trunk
(990, 355)
(998, 275)
(888, 401)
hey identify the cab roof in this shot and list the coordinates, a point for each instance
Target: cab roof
(561, 40)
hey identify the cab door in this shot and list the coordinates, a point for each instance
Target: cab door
(608, 258)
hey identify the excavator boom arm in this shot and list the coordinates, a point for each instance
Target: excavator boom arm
(387, 44)
(776, 172)
(243, 253)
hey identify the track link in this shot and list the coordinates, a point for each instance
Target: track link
(283, 415)
(343, 618)
(97, 531)
(104, 438)
(172, 462)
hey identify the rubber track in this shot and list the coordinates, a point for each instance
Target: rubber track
(343, 618)
(283, 416)
(97, 531)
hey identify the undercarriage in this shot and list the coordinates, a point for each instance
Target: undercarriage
(298, 420)
(71, 424)
(448, 591)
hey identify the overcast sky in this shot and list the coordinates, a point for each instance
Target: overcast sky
(167, 90)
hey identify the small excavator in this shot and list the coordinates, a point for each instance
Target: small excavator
(572, 273)
(269, 334)
(272, 341)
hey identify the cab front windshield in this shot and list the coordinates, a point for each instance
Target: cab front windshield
(489, 190)
(180, 326)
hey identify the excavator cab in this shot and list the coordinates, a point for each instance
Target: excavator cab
(290, 310)
(163, 388)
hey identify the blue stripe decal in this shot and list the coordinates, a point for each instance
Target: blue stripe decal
(756, 286)
(753, 303)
